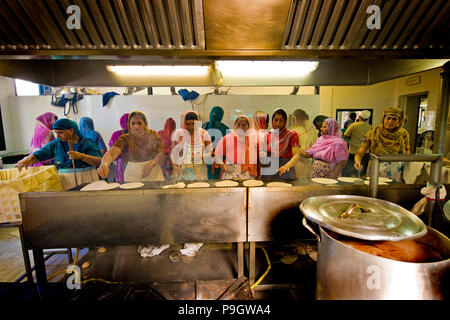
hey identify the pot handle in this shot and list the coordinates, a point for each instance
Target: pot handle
(307, 226)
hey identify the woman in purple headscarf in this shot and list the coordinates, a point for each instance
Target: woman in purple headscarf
(330, 151)
(120, 165)
(43, 134)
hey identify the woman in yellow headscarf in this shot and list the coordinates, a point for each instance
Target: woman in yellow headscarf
(388, 138)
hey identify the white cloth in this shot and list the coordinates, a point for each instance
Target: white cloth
(133, 172)
(151, 251)
(412, 170)
(191, 249)
(430, 194)
(68, 178)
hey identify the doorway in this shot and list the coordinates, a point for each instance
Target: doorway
(419, 122)
(342, 115)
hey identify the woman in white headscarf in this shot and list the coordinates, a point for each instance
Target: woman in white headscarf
(307, 136)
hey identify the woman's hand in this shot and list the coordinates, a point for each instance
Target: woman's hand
(75, 155)
(103, 170)
(148, 168)
(23, 163)
(283, 169)
(357, 164)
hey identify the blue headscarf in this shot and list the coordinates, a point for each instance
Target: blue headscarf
(66, 124)
(87, 130)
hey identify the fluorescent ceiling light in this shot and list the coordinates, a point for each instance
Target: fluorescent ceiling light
(159, 70)
(263, 69)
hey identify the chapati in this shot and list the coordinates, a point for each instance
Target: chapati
(324, 180)
(279, 184)
(379, 182)
(253, 183)
(198, 185)
(131, 185)
(347, 179)
(179, 185)
(227, 183)
(95, 186)
(382, 179)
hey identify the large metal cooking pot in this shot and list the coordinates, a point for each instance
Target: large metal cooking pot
(344, 272)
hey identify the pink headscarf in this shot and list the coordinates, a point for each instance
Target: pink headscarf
(118, 133)
(260, 120)
(43, 133)
(166, 134)
(330, 147)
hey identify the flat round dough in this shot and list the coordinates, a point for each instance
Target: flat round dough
(101, 250)
(227, 183)
(111, 186)
(198, 185)
(347, 179)
(131, 185)
(253, 183)
(324, 180)
(179, 185)
(379, 182)
(279, 184)
(86, 265)
(95, 186)
(381, 179)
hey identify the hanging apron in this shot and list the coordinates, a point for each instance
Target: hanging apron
(133, 172)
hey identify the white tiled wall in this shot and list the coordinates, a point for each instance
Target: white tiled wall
(19, 113)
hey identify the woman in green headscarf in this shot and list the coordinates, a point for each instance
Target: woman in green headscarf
(215, 123)
(388, 138)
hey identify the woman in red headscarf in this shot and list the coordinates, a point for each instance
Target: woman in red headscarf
(43, 134)
(240, 150)
(166, 137)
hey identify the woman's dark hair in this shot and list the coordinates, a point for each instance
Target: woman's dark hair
(280, 112)
(190, 116)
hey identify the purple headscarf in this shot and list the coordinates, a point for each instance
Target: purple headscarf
(118, 133)
(43, 133)
(120, 165)
(330, 147)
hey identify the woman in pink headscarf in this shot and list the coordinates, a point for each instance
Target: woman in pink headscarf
(43, 134)
(330, 151)
(120, 165)
(166, 137)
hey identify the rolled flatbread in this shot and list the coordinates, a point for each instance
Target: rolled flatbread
(131, 185)
(227, 183)
(198, 185)
(179, 185)
(253, 183)
(279, 184)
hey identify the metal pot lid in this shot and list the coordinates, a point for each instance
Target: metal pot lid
(363, 217)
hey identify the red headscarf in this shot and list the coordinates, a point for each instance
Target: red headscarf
(166, 134)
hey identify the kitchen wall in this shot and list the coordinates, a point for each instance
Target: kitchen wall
(20, 112)
(381, 95)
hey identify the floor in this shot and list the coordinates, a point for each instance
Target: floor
(292, 273)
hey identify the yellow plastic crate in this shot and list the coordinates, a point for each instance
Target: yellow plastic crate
(34, 179)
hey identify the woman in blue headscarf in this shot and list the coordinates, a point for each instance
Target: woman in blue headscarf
(215, 123)
(84, 153)
(87, 130)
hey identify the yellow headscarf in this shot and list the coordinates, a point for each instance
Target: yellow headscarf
(383, 141)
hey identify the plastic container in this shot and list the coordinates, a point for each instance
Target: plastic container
(43, 178)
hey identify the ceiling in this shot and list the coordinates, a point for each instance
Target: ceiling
(34, 36)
